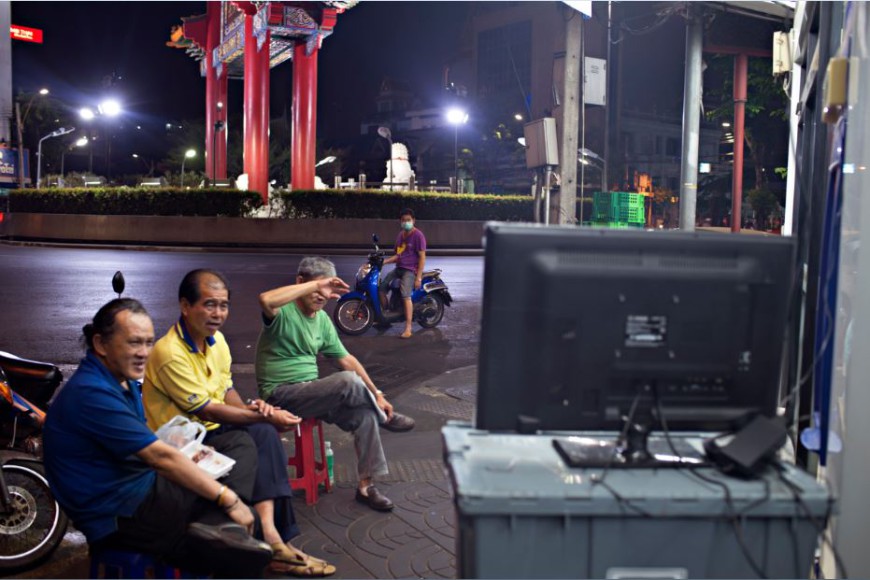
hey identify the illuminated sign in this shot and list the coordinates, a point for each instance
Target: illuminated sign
(9, 167)
(26, 34)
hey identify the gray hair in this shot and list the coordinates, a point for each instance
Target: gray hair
(315, 267)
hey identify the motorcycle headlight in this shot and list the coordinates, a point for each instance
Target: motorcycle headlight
(363, 272)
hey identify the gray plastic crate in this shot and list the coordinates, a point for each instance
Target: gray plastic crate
(522, 513)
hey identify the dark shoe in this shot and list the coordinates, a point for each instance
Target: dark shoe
(399, 423)
(375, 499)
(248, 553)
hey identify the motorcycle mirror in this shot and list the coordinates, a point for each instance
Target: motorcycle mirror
(375, 238)
(118, 283)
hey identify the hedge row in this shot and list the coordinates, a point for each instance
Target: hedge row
(329, 203)
(377, 204)
(135, 201)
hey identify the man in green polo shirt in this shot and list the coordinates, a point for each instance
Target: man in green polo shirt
(296, 330)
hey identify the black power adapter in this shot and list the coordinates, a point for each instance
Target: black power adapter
(750, 448)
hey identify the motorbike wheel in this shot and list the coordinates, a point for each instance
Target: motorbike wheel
(35, 525)
(353, 316)
(430, 310)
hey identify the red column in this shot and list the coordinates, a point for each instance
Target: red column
(215, 92)
(304, 118)
(741, 66)
(256, 130)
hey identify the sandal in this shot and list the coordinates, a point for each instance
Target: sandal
(284, 561)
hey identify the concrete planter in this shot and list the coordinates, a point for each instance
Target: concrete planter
(226, 231)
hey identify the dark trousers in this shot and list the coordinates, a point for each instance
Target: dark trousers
(271, 480)
(159, 525)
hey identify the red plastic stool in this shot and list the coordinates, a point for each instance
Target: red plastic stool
(309, 472)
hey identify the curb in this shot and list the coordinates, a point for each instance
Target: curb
(241, 249)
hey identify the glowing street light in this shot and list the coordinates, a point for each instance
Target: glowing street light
(107, 108)
(456, 117)
(80, 142)
(190, 153)
(325, 160)
(110, 108)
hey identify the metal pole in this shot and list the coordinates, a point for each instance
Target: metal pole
(214, 157)
(571, 103)
(691, 123)
(741, 64)
(5, 71)
(39, 163)
(456, 158)
(20, 146)
(607, 108)
(391, 162)
(548, 172)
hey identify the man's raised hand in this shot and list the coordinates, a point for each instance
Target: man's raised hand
(333, 287)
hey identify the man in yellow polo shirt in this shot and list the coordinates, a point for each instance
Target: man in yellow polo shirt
(188, 374)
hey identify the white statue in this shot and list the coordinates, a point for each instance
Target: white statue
(401, 169)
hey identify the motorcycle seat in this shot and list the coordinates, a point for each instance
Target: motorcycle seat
(432, 273)
(35, 380)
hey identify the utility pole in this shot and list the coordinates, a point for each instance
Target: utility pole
(691, 121)
(20, 146)
(570, 120)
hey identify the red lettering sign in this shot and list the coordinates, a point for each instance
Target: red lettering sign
(26, 34)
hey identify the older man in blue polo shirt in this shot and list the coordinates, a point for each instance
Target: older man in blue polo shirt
(126, 489)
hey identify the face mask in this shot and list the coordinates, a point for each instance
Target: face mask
(407, 226)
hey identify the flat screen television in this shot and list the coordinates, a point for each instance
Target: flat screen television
(579, 324)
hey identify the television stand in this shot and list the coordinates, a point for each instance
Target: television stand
(642, 450)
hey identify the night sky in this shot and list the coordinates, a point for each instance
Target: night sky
(87, 41)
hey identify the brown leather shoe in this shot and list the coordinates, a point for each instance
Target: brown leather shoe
(374, 499)
(399, 423)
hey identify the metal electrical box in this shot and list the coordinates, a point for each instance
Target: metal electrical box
(541, 146)
(782, 60)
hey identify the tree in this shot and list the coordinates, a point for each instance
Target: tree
(766, 124)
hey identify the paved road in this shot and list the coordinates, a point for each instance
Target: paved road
(49, 293)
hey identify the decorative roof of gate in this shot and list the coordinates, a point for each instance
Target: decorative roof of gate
(287, 23)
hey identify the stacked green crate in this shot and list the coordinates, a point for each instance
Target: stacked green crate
(619, 209)
(601, 207)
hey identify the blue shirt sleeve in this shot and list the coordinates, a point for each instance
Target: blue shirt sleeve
(109, 421)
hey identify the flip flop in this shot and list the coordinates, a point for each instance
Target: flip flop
(408, 335)
(285, 561)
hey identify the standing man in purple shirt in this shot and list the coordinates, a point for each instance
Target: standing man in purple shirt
(410, 260)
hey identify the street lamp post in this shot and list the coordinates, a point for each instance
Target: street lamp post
(584, 156)
(187, 155)
(388, 135)
(19, 122)
(55, 133)
(456, 117)
(218, 127)
(108, 108)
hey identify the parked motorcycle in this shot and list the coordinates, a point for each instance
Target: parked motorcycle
(357, 310)
(32, 523)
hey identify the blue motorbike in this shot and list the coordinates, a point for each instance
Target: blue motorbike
(359, 309)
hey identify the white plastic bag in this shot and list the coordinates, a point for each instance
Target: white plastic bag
(180, 432)
(187, 436)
